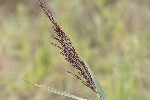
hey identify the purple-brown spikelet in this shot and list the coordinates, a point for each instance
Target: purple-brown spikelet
(69, 52)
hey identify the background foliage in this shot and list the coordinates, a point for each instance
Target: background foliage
(112, 35)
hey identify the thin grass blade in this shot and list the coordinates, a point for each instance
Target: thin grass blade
(53, 90)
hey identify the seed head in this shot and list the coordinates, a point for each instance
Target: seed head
(69, 52)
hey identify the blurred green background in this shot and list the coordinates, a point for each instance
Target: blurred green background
(113, 36)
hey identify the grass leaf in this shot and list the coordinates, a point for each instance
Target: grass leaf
(53, 90)
(100, 91)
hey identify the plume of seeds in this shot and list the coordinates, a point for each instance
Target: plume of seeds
(69, 52)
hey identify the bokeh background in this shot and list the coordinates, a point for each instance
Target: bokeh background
(113, 36)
